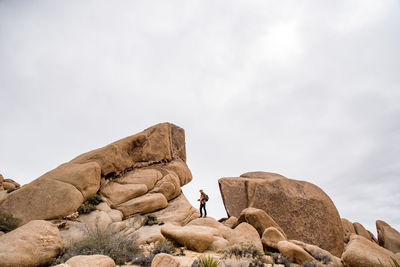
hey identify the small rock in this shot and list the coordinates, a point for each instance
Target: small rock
(295, 252)
(164, 260)
(91, 261)
(271, 237)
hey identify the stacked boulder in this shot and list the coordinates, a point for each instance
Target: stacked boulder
(8, 184)
(302, 210)
(138, 174)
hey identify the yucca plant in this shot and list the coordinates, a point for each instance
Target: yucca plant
(208, 261)
(394, 263)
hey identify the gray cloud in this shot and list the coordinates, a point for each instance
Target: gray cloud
(305, 89)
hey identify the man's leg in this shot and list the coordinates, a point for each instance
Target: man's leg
(201, 212)
(205, 211)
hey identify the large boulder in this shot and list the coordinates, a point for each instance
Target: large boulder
(361, 252)
(259, 219)
(271, 237)
(293, 251)
(197, 238)
(90, 261)
(360, 230)
(164, 260)
(388, 237)
(244, 232)
(59, 192)
(348, 229)
(301, 209)
(36, 243)
(320, 254)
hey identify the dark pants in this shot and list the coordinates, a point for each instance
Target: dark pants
(203, 206)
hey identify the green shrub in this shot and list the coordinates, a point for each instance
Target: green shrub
(113, 207)
(196, 263)
(12, 189)
(86, 208)
(394, 263)
(323, 258)
(309, 264)
(163, 247)
(94, 199)
(104, 242)
(150, 219)
(8, 222)
(208, 261)
(279, 259)
(143, 260)
(243, 250)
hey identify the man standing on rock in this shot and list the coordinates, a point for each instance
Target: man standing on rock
(203, 199)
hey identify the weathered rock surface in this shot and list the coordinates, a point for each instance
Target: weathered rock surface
(6, 184)
(259, 219)
(361, 252)
(143, 204)
(244, 232)
(197, 238)
(301, 209)
(179, 211)
(33, 244)
(388, 237)
(360, 230)
(91, 261)
(348, 229)
(164, 260)
(231, 222)
(316, 251)
(271, 237)
(152, 161)
(293, 251)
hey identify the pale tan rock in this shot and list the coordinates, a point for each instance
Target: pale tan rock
(35, 243)
(119, 193)
(197, 238)
(180, 168)
(145, 176)
(231, 222)
(314, 250)
(169, 186)
(162, 142)
(361, 252)
(179, 211)
(148, 234)
(164, 260)
(360, 230)
(271, 237)
(85, 177)
(1, 233)
(348, 229)
(115, 215)
(223, 230)
(293, 251)
(7, 185)
(244, 232)
(143, 204)
(372, 237)
(1, 178)
(73, 232)
(96, 220)
(42, 199)
(259, 219)
(117, 226)
(302, 210)
(103, 206)
(91, 261)
(218, 244)
(388, 237)
(3, 196)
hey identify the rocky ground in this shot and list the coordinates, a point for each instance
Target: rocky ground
(124, 204)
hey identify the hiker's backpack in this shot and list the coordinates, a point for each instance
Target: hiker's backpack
(206, 198)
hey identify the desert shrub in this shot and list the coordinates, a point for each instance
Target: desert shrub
(309, 264)
(94, 199)
(208, 261)
(104, 242)
(150, 219)
(86, 208)
(393, 263)
(143, 260)
(323, 258)
(12, 189)
(163, 247)
(243, 250)
(279, 259)
(8, 222)
(196, 263)
(113, 206)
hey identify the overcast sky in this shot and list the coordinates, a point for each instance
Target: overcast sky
(306, 89)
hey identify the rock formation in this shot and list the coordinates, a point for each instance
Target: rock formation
(8, 184)
(301, 209)
(138, 174)
(388, 237)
